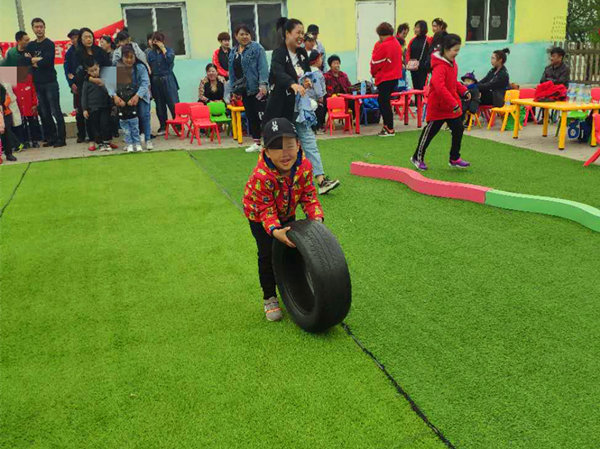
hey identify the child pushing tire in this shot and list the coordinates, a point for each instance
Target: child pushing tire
(313, 278)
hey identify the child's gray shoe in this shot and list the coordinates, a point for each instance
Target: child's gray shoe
(272, 309)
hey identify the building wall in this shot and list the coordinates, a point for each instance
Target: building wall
(9, 23)
(534, 24)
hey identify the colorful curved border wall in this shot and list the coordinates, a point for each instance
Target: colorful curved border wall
(583, 214)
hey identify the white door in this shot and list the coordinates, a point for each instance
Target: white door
(369, 14)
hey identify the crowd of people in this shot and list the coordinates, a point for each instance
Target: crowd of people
(285, 103)
(238, 74)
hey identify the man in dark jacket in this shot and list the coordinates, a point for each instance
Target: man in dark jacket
(70, 67)
(42, 51)
(557, 72)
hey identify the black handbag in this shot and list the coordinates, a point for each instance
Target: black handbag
(239, 86)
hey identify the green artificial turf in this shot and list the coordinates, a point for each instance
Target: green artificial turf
(131, 317)
(10, 175)
(487, 317)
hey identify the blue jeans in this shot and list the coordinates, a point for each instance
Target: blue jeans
(49, 106)
(144, 118)
(309, 146)
(131, 131)
(164, 91)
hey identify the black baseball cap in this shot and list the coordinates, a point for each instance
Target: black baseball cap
(73, 32)
(276, 128)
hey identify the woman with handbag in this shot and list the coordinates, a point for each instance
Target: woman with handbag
(248, 77)
(417, 55)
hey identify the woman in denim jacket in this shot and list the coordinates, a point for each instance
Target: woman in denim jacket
(248, 78)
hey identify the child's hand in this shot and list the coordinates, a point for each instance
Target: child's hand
(281, 235)
(298, 89)
(134, 100)
(86, 114)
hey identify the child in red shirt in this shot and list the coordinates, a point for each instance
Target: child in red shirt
(28, 102)
(281, 180)
(444, 103)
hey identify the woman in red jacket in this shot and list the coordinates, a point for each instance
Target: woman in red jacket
(444, 103)
(386, 68)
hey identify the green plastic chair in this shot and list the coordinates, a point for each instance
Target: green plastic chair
(218, 115)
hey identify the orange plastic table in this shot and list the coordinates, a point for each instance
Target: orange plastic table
(236, 121)
(562, 106)
(406, 93)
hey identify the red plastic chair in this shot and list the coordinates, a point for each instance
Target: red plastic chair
(528, 93)
(398, 106)
(336, 110)
(182, 119)
(597, 153)
(200, 115)
(596, 94)
(485, 111)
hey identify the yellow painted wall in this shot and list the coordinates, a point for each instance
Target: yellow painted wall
(453, 12)
(8, 20)
(540, 20)
(59, 21)
(337, 18)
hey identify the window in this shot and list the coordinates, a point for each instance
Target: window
(261, 17)
(487, 20)
(168, 18)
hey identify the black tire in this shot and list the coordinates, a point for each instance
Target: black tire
(313, 278)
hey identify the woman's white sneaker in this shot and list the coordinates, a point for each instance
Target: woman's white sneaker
(149, 145)
(129, 148)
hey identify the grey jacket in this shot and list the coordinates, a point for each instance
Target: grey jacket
(558, 75)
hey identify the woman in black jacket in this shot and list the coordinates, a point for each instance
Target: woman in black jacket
(419, 49)
(494, 85)
(86, 54)
(288, 63)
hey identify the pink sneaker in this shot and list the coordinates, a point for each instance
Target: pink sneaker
(459, 164)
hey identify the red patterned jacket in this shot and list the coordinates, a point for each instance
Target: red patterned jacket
(271, 198)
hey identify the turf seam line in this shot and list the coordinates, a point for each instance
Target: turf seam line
(15, 189)
(399, 388)
(346, 328)
(223, 189)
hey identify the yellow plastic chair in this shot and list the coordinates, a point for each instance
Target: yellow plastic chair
(473, 118)
(506, 110)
